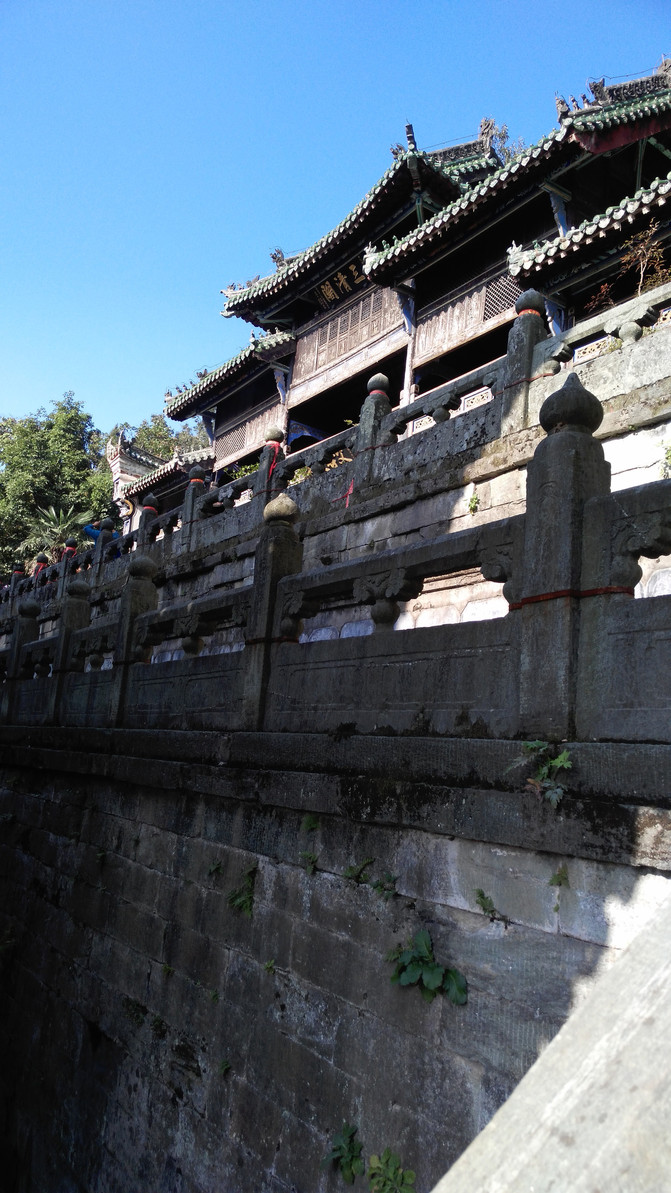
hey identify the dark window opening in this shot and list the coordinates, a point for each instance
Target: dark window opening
(465, 359)
(340, 406)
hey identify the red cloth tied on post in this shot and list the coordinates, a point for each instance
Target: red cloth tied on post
(272, 443)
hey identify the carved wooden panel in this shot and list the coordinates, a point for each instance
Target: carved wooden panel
(235, 441)
(454, 322)
(449, 324)
(363, 321)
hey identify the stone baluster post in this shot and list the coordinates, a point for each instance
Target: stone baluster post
(279, 553)
(104, 538)
(147, 516)
(194, 491)
(26, 630)
(568, 468)
(69, 552)
(18, 574)
(139, 596)
(370, 436)
(75, 615)
(528, 330)
(267, 483)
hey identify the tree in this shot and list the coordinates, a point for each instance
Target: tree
(51, 528)
(156, 436)
(506, 149)
(51, 458)
(644, 254)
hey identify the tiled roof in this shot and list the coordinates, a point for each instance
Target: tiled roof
(299, 265)
(526, 260)
(592, 118)
(139, 454)
(475, 195)
(267, 347)
(179, 463)
(599, 117)
(130, 451)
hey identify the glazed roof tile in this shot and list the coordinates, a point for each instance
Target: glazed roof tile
(526, 260)
(597, 117)
(300, 264)
(592, 118)
(475, 195)
(179, 462)
(266, 347)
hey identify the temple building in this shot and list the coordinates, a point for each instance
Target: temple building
(419, 281)
(137, 472)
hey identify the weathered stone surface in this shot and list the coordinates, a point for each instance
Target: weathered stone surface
(598, 1096)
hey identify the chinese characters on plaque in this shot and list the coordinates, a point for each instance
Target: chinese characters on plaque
(340, 285)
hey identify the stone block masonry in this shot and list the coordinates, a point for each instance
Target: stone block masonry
(177, 750)
(154, 1037)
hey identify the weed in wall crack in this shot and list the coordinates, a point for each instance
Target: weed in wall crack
(346, 1153)
(241, 898)
(385, 887)
(224, 1067)
(386, 1175)
(544, 781)
(309, 823)
(359, 873)
(417, 966)
(309, 861)
(159, 1027)
(486, 904)
(134, 1011)
(269, 966)
(560, 878)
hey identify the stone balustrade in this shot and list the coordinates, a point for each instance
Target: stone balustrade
(197, 618)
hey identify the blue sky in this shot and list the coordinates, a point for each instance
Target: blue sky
(155, 150)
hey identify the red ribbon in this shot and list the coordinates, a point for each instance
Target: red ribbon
(276, 450)
(576, 593)
(345, 496)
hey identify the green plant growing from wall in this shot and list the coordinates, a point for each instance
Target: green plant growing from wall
(560, 878)
(385, 887)
(215, 868)
(159, 1027)
(301, 474)
(309, 823)
(309, 860)
(214, 995)
(385, 1174)
(549, 764)
(417, 966)
(474, 503)
(241, 898)
(346, 1153)
(269, 966)
(666, 466)
(486, 904)
(359, 872)
(239, 470)
(134, 1011)
(224, 1067)
(168, 970)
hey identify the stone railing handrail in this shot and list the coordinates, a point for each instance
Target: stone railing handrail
(624, 321)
